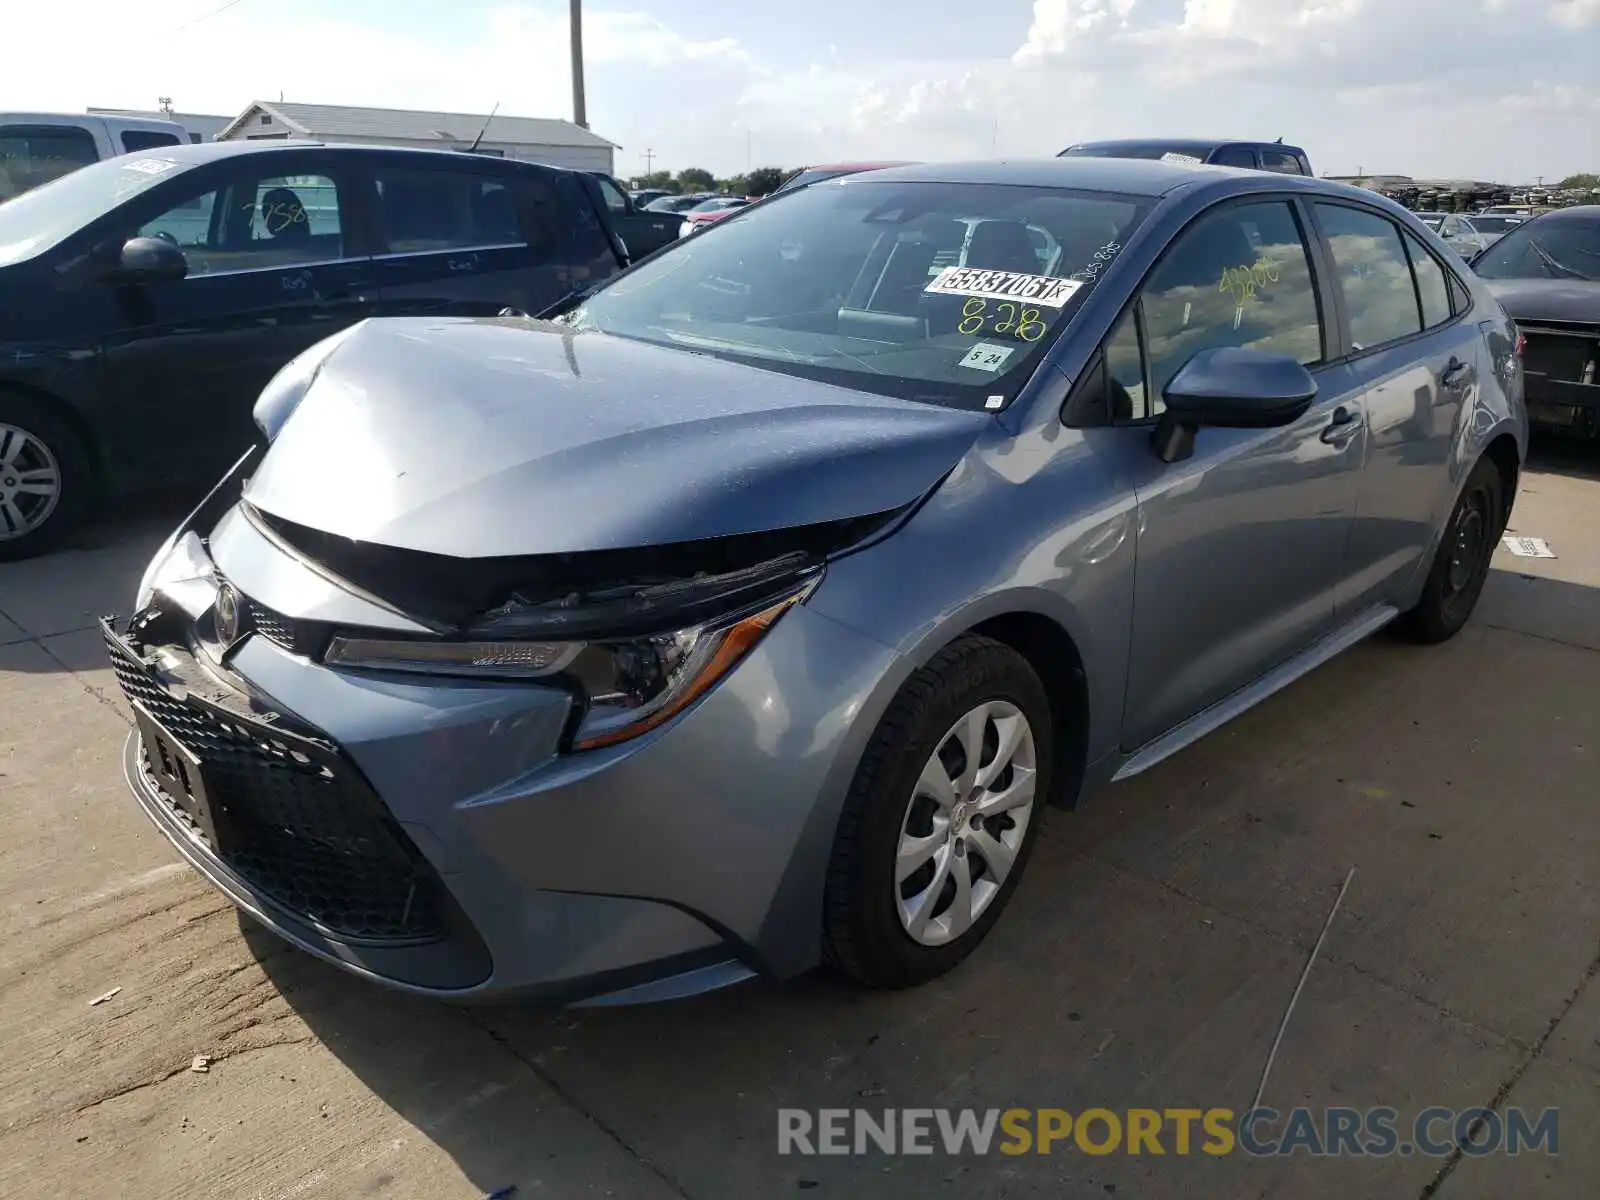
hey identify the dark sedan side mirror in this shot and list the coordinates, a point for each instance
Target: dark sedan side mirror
(1230, 387)
(150, 260)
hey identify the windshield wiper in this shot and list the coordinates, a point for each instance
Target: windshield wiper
(1553, 264)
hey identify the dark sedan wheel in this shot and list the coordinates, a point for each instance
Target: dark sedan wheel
(45, 482)
(1461, 563)
(940, 819)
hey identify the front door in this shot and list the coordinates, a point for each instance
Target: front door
(1241, 546)
(1416, 358)
(643, 232)
(270, 274)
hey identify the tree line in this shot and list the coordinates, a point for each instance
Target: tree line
(697, 179)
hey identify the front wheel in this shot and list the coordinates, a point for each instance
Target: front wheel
(45, 480)
(940, 818)
(1461, 563)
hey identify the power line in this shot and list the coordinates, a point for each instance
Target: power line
(216, 12)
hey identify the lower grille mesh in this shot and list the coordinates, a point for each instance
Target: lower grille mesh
(306, 829)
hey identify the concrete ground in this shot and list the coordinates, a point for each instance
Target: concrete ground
(1146, 961)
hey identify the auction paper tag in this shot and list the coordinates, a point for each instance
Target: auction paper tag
(150, 166)
(986, 356)
(1528, 547)
(1003, 285)
(1173, 156)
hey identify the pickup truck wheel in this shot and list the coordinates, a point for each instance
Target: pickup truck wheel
(940, 818)
(1461, 563)
(46, 484)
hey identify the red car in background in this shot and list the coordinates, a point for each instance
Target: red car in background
(708, 211)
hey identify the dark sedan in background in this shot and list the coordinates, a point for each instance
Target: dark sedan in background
(1546, 273)
(146, 300)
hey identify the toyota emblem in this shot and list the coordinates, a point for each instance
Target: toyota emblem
(227, 614)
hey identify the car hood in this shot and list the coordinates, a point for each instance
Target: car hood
(488, 438)
(1548, 299)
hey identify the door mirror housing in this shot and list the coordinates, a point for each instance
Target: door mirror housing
(149, 260)
(1231, 387)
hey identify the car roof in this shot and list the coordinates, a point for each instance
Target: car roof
(1203, 145)
(1131, 176)
(196, 153)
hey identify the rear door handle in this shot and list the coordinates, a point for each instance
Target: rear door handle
(1342, 426)
(1456, 374)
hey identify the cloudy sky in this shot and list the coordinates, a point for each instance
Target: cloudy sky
(1497, 89)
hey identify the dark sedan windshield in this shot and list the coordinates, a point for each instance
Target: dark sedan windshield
(1557, 247)
(947, 293)
(1485, 224)
(37, 220)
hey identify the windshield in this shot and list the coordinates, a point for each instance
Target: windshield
(1563, 248)
(1485, 224)
(814, 175)
(37, 220)
(1431, 220)
(1151, 150)
(945, 293)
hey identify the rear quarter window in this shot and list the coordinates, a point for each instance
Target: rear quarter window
(144, 139)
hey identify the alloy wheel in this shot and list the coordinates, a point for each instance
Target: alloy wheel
(965, 822)
(30, 482)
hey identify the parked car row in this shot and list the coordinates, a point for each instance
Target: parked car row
(747, 614)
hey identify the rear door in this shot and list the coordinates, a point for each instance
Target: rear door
(465, 239)
(1415, 356)
(273, 269)
(1241, 546)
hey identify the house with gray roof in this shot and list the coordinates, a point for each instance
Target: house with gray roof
(531, 139)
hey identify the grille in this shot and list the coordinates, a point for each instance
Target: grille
(273, 626)
(306, 830)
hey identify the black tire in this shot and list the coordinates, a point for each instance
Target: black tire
(76, 497)
(1461, 562)
(863, 934)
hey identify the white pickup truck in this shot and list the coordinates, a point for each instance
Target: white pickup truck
(37, 147)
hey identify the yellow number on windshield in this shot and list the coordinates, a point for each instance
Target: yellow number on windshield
(972, 315)
(1031, 327)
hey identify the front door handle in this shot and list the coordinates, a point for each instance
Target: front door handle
(1342, 426)
(1456, 375)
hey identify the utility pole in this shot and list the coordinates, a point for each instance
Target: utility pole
(748, 161)
(649, 159)
(580, 114)
(166, 104)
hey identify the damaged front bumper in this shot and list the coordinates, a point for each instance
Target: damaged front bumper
(436, 834)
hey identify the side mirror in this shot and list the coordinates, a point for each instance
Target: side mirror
(149, 260)
(1230, 387)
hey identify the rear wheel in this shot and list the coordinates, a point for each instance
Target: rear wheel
(1461, 563)
(940, 819)
(46, 484)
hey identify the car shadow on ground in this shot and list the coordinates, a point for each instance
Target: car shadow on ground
(1576, 457)
(1094, 989)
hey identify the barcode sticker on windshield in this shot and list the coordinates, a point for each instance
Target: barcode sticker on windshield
(986, 356)
(1173, 156)
(1003, 285)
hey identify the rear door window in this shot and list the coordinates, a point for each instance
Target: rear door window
(1235, 156)
(426, 211)
(1374, 272)
(144, 139)
(31, 155)
(1277, 160)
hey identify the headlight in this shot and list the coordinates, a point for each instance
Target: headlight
(288, 387)
(181, 563)
(628, 686)
(685, 229)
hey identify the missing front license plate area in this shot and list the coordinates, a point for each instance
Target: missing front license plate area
(181, 775)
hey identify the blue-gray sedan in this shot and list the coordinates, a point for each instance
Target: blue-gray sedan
(746, 614)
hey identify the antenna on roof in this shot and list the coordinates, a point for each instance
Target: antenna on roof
(473, 149)
(1279, 142)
